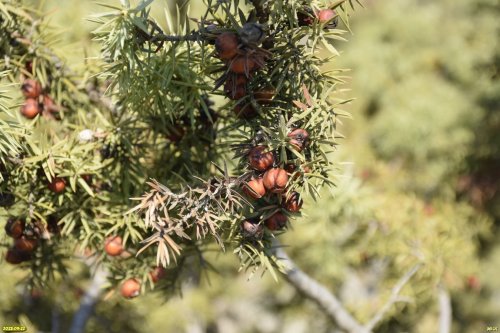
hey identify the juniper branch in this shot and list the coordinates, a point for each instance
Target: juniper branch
(194, 36)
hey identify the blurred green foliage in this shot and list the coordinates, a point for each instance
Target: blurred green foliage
(421, 77)
(423, 185)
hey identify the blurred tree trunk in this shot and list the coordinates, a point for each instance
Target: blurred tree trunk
(89, 301)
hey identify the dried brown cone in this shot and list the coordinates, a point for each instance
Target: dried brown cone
(226, 45)
(113, 246)
(25, 244)
(157, 274)
(234, 79)
(277, 221)
(30, 109)
(242, 64)
(252, 229)
(235, 86)
(15, 227)
(255, 188)
(275, 180)
(14, 256)
(31, 88)
(259, 159)
(130, 288)
(299, 138)
(235, 92)
(58, 185)
(293, 203)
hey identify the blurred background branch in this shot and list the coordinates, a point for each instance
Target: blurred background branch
(445, 310)
(317, 293)
(394, 298)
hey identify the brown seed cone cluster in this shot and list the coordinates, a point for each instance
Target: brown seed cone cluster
(271, 180)
(26, 238)
(242, 58)
(36, 102)
(23, 245)
(131, 287)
